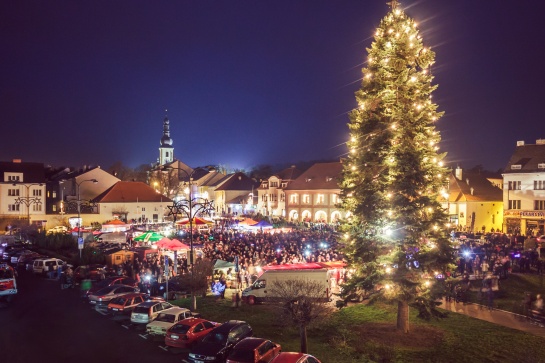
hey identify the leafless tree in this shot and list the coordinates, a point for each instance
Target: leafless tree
(302, 302)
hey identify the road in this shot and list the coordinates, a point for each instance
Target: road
(47, 324)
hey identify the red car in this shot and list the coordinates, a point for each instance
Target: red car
(184, 333)
(126, 303)
(254, 350)
(292, 357)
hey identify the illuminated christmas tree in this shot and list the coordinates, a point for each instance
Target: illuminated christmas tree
(393, 177)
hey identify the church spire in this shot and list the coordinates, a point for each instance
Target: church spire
(166, 151)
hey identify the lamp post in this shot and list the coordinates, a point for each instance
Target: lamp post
(190, 208)
(27, 200)
(78, 203)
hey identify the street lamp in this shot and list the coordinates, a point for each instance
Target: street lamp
(78, 201)
(190, 208)
(27, 200)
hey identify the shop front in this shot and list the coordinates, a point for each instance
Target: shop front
(529, 223)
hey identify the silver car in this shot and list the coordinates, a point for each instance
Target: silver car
(102, 297)
(147, 311)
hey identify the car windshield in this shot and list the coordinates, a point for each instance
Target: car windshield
(119, 301)
(169, 318)
(141, 310)
(180, 328)
(242, 355)
(217, 338)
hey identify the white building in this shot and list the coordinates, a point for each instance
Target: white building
(271, 199)
(22, 192)
(524, 189)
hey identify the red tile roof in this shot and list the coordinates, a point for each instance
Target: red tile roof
(130, 192)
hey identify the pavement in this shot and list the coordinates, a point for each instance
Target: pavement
(495, 316)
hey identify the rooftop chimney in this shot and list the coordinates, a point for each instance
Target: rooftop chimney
(458, 173)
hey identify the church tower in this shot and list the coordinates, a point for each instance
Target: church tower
(166, 151)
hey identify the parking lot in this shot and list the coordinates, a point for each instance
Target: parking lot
(45, 323)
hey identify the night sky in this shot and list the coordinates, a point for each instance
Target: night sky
(252, 82)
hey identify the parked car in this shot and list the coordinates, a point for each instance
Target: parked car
(111, 281)
(185, 333)
(148, 311)
(126, 303)
(9, 251)
(42, 266)
(292, 357)
(57, 229)
(216, 345)
(102, 298)
(168, 318)
(14, 257)
(25, 258)
(254, 350)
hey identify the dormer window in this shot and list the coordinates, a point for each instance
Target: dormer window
(516, 167)
(328, 178)
(541, 166)
(308, 179)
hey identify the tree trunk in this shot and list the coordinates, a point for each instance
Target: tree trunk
(193, 302)
(303, 337)
(403, 316)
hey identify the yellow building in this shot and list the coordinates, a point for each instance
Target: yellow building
(474, 202)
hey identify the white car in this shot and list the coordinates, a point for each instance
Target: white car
(166, 319)
(45, 265)
(58, 229)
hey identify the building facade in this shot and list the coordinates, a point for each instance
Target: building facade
(271, 198)
(474, 201)
(524, 190)
(314, 195)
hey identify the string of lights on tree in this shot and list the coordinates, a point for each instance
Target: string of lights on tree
(394, 173)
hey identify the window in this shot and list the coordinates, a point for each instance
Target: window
(539, 184)
(334, 198)
(283, 197)
(13, 192)
(514, 204)
(143, 209)
(320, 199)
(54, 208)
(306, 198)
(274, 184)
(54, 193)
(14, 178)
(37, 193)
(539, 204)
(264, 185)
(13, 207)
(284, 185)
(37, 207)
(514, 185)
(293, 198)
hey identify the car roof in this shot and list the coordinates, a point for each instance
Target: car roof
(250, 343)
(174, 309)
(191, 321)
(288, 357)
(228, 325)
(150, 303)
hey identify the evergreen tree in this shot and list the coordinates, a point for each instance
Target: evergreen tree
(396, 240)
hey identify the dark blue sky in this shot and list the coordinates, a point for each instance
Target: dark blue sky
(251, 82)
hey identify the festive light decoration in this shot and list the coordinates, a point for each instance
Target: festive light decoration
(394, 176)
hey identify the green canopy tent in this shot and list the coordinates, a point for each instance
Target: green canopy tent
(148, 237)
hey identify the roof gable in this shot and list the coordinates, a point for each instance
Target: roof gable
(318, 176)
(130, 192)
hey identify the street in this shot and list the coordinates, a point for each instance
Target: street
(45, 323)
